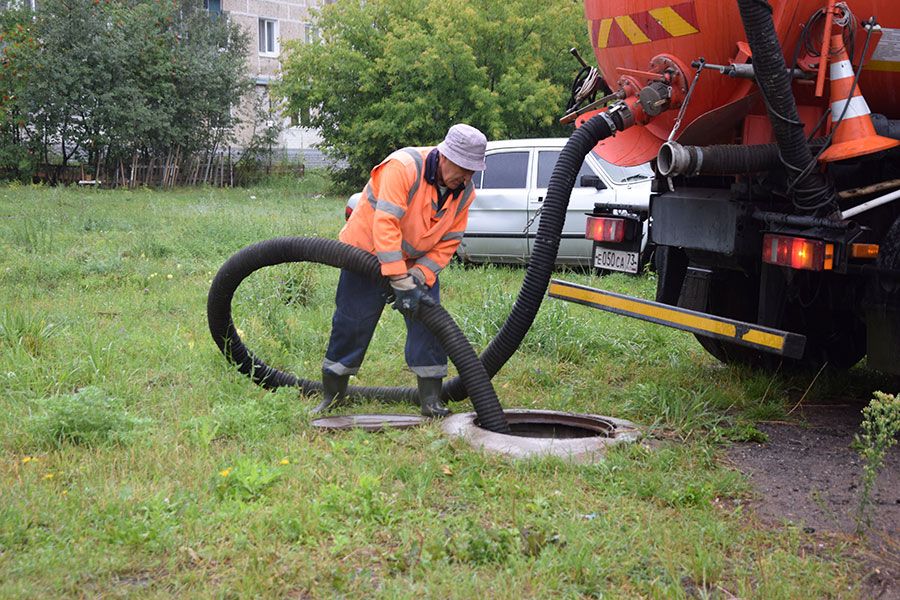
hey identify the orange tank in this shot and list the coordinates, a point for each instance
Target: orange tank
(629, 35)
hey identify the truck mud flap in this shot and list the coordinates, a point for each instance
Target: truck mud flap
(783, 343)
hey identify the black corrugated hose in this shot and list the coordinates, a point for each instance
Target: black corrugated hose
(732, 159)
(543, 258)
(475, 374)
(812, 190)
(736, 158)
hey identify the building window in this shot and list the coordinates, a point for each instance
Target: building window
(268, 37)
(311, 34)
(213, 6)
(19, 4)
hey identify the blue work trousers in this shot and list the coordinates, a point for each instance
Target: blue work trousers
(359, 302)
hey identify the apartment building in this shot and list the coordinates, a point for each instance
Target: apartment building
(270, 23)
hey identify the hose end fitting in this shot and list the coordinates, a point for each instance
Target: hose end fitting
(675, 159)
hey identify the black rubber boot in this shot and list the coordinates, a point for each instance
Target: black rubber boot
(334, 389)
(430, 397)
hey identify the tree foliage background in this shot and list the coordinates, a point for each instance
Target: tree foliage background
(87, 79)
(393, 73)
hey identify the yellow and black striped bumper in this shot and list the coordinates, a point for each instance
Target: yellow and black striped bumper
(767, 339)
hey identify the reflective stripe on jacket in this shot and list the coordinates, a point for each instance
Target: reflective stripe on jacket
(397, 218)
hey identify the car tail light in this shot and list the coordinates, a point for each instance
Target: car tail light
(605, 229)
(347, 212)
(798, 252)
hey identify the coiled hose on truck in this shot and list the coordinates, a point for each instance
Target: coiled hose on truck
(474, 372)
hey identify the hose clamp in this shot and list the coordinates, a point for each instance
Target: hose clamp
(622, 115)
(699, 161)
(612, 126)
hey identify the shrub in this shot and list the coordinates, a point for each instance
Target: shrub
(880, 426)
(246, 481)
(89, 417)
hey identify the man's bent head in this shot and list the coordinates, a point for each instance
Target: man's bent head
(462, 153)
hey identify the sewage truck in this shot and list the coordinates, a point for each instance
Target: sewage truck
(774, 129)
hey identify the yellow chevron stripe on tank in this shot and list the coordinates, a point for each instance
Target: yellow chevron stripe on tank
(672, 22)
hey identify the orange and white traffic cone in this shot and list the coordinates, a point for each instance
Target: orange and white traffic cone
(855, 134)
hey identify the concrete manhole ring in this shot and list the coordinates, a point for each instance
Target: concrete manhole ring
(579, 438)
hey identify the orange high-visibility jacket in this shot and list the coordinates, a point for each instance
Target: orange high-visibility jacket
(397, 218)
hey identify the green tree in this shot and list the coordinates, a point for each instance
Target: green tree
(16, 41)
(390, 73)
(123, 77)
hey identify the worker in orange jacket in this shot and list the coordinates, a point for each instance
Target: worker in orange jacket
(412, 215)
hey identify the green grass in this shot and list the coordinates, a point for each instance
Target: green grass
(136, 462)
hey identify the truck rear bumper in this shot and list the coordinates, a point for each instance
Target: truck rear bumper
(789, 345)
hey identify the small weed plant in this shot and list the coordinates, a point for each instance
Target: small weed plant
(246, 481)
(880, 426)
(24, 330)
(89, 417)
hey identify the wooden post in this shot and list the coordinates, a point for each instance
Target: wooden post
(170, 159)
(209, 160)
(196, 169)
(173, 178)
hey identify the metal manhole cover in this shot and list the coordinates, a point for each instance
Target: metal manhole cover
(369, 422)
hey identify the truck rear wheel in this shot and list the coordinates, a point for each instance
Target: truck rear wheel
(884, 306)
(726, 294)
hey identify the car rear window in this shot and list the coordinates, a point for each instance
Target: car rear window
(547, 160)
(505, 170)
(625, 174)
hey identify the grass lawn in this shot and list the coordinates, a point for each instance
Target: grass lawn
(136, 462)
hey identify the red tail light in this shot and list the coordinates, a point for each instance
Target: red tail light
(605, 229)
(347, 212)
(797, 252)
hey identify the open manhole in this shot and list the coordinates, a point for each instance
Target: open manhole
(575, 437)
(369, 422)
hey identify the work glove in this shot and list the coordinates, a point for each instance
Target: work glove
(409, 294)
(418, 275)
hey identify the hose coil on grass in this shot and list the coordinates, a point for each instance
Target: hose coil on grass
(337, 254)
(475, 372)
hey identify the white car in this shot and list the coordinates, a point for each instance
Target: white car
(504, 218)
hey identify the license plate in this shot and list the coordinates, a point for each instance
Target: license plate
(615, 260)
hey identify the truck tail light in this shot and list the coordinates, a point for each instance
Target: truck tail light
(798, 252)
(869, 251)
(605, 229)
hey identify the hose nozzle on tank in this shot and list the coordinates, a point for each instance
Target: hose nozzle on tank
(674, 159)
(649, 102)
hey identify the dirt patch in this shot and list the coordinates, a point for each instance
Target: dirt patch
(808, 473)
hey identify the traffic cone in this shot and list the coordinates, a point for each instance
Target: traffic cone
(855, 135)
